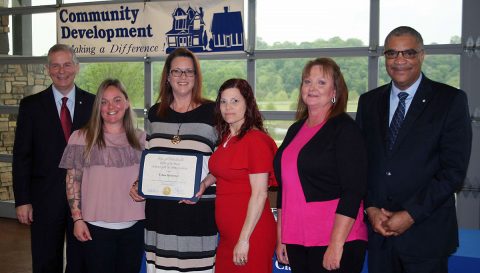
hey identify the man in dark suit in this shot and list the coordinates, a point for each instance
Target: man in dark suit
(38, 183)
(418, 135)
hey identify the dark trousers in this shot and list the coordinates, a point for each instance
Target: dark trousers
(114, 250)
(309, 259)
(388, 260)
(52, 222)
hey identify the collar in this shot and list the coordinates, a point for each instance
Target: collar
(58, 95)
(410, 90)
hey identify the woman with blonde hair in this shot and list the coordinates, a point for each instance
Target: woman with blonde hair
(102, 160)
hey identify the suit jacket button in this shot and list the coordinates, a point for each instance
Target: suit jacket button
(388, 173)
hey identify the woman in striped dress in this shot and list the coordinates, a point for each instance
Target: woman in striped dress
(181, 236)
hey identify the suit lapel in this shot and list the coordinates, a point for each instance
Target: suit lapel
(80, 106)
(420, 100)
(383, 113)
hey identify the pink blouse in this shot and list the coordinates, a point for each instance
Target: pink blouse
(308, 224)
(107, 177)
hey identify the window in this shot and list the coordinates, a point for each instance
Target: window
(311, 24)
(439, 25)
(80, 1)
(32, 34)
(287, 35)
(277, 129)
(20, 3)
(278, 81)
(131, 75)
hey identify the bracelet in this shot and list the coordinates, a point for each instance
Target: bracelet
(244, 242)
(77, 220)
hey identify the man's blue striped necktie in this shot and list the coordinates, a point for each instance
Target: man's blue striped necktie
(397, 120)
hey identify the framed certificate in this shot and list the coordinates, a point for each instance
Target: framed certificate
(170, 175)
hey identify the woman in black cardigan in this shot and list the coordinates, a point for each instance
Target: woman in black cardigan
(321, 170)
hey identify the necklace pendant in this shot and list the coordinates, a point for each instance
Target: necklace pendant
(227, 140)
(176, 139)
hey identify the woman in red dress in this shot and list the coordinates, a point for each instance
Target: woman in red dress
(243, 167)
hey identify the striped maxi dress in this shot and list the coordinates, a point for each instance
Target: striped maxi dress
(182, 237)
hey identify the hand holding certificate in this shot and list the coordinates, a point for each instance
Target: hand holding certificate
(170, 175)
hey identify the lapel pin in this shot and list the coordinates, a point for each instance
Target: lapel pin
(424, 100)
(80, 102)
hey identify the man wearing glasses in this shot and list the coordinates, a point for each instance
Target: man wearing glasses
(418, 136)
(45, 122)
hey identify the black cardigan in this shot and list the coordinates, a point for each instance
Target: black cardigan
(333, 164)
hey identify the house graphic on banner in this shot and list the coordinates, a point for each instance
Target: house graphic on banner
(227, 31)
(189, 30)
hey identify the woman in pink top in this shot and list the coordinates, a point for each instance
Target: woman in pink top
(102, 161)
(321, 171)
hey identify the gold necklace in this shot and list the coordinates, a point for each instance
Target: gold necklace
(176, 138)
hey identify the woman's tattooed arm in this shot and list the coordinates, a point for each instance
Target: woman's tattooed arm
(74, 192)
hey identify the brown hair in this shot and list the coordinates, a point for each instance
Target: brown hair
(165, 97)
(253, 118)
(331, 69)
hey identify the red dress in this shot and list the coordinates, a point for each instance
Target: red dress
(231, 165)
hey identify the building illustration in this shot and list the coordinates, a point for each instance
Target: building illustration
(227, 31)
(190, 30)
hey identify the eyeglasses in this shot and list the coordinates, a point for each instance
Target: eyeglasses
(407, 54)
(178, 72)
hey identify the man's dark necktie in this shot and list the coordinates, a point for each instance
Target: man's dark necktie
(397, 120)
(65, 119)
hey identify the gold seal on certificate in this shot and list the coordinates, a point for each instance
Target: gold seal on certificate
(167, 190)
(170, 175)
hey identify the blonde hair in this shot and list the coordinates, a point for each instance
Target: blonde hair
(94, 129)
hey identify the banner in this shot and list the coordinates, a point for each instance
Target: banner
(151, 29)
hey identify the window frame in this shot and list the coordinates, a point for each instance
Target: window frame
(373, 51)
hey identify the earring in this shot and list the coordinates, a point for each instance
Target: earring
(334, 100)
